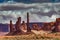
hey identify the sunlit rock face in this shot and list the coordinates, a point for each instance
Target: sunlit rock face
(23, 26)
(36, 27)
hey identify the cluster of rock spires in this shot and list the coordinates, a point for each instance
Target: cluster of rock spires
(21, 27)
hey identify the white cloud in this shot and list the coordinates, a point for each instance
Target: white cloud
(33, 6)
(38, 12)
(33, 17)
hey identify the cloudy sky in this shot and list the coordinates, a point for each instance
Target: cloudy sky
(39, 10)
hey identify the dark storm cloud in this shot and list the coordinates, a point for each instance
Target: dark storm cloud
(12, 8)
(30, 1)
(7, 8)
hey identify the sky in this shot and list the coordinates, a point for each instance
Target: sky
(30, 1)
(39, 10)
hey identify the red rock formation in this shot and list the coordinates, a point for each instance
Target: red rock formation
(28, 28)
(57, 25)
(36, 27)
(58, 20)
(18, 24)
(52, 23)
(47, 26)
(11, 26)
(23, 26)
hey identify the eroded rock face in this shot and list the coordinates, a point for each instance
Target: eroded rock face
(28, 28)
(23, 26)
(49, 26)
(12, 29)
(46, 26)
(57, 25)
(18, 24)
(36, 27)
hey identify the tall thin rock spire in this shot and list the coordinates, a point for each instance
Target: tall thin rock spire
(28, 28)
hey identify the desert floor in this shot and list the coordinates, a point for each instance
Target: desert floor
(38, 35)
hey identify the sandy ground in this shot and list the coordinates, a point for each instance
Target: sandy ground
(3, 33)
(47, 34)
(40, 33)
